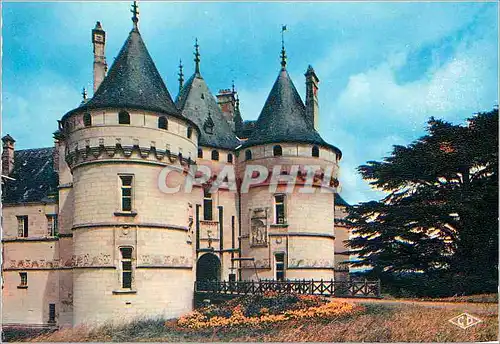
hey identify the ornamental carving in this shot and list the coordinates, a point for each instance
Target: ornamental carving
(258, 232)
(85, 260)
(258, 227)
(259, 264)
(77, 155)
(159, 260)
(311, 263)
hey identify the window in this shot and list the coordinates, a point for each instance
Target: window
(126, 267)
(207, 205)
(87, 120)
(189, 132)
(315, 151)
(279, 206)
(208, 126)
(22, 226)
(24, 279)
(277, 151)
(279, 267)
(248, 154)
(163, 122)
(52, 228)
(52, 312)
(126, 192)
(123, 117)
(215, 155)
(200, 153)
(230, 158)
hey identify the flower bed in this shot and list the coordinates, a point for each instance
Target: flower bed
(266, 309)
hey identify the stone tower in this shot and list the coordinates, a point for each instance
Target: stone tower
(288, 232)
(132, 254)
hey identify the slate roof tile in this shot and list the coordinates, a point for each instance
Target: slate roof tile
(197, 103)
(35, 179)
(133, 82)
(283, 118)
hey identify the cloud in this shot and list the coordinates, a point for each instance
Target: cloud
(374, 111)
(384, 68)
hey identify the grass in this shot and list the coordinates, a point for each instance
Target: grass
(479, 298)
(377, 323)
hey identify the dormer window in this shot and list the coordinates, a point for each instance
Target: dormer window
(87, 120)
(277, 150)
(208, 126)
(123, 117)
(315, 151)
(189, 132)
(163, 123)
(215, 155)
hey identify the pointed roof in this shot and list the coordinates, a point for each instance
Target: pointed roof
(283, 118)
(8, 138)
(132, 82)
(198, 104)
(339, 201)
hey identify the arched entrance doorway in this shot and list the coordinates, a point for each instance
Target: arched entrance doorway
(208, 268)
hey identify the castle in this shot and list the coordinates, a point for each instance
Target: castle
(88, 234)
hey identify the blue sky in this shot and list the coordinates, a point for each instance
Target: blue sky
(384, 68)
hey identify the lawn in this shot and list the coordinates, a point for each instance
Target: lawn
(293, 319)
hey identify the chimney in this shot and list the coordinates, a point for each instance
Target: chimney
(7, 155)
(58, 140)
(100, 65)
(227, 103)
(312, 108)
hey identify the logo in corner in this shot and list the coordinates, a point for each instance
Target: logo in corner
(465, 320)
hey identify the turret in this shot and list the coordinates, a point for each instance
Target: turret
(100, 65)
(134, 235)
(312, 108)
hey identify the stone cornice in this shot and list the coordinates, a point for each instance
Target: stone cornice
(304, 234)
(129, 224)
(187, 267)
(150, 154)
(36, 239)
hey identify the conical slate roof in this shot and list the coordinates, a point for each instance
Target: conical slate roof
(133, 82)
(283, 118)
(197, 103)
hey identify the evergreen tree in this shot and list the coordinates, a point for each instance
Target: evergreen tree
(439, 219)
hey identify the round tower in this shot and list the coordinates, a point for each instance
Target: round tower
(132, 251)
(287, 211)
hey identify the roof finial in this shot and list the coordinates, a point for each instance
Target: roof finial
(181, 75)
(283, 52)
(84, 95)
(232, 87)
(135, 14)
(197, 57)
